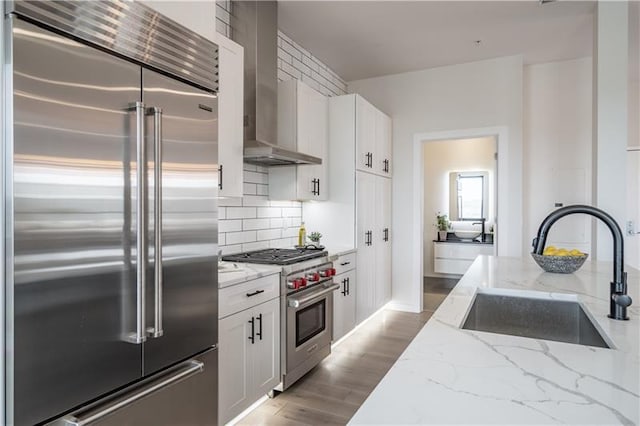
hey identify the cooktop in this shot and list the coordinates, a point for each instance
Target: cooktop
(276, 256)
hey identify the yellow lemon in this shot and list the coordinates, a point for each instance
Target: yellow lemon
(562, 252)
(576, 252)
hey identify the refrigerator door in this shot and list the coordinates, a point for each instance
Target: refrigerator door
(72, 286)
(181, 291)
(185, 394)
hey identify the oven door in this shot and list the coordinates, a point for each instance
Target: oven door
(309, 323)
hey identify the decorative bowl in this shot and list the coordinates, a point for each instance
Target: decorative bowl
(560, 264)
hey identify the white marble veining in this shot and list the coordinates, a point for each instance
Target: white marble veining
(230, 273)
(454, 376)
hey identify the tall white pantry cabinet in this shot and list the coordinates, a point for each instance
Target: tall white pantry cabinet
(358, 212)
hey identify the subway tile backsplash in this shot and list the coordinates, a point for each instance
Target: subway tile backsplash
(254, 222)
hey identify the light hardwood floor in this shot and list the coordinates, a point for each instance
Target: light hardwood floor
(331, 393)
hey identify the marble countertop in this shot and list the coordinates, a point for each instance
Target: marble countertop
(230, 273)
(450, 375)
(335, 252)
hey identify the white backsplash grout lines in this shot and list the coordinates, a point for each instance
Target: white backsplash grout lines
(254, 222)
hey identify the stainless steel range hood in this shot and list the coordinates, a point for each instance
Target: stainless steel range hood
(256, 29)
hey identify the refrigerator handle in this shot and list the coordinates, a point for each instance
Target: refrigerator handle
(139, 336)
(156, 330)
(191, 367)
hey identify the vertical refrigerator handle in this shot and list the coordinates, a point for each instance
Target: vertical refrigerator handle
(156, 330)
(139, 336)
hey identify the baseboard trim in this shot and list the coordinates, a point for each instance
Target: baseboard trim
(404, 307)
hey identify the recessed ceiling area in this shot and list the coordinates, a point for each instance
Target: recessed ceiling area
(363, 39)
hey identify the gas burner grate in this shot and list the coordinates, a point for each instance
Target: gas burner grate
(275, 256)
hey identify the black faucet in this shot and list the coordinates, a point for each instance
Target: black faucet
(482, 221)
(619, 300)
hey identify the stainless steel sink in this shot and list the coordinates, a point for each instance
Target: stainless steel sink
(547, 319)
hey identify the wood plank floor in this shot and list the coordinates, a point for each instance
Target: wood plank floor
(331, 393)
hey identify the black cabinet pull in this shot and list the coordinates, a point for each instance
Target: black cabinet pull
(318, 191)
(386, 166)
(316, 186)
(220, 177)
(259, 333)
(345, 263)
(348, 286)
(368, 237)
(386, 234)
(344, 287)
(253, 330)
(254, 293)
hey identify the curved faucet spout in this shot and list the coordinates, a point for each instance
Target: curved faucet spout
(618, 304)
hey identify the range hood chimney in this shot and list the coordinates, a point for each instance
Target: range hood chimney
(256, 29)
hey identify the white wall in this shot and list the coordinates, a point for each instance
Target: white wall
(467, 96)
(632, 242)
(611, 108)
(440, 159)
(557, 148)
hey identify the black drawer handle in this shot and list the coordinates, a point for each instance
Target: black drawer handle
(345, 263)
(254, 293)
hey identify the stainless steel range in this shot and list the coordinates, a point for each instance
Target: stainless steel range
(306, 307)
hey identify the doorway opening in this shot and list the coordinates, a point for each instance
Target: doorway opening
(459, 211)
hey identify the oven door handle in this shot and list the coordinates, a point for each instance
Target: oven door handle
(296, 303)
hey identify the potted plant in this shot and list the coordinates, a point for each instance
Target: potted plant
(314, 237)
(443, 226)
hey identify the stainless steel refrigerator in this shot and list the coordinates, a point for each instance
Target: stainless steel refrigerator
(110, 158)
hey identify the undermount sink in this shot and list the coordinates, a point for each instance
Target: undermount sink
(467, 235)
(538, 318)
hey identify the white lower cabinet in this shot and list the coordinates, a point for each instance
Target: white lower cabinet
(456, 258)
(249, 366)
(344, 304)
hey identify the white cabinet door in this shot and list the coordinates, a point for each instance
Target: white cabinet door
(230, 117)
(313, 123)
(365, 135)
(344, 304)
(303, 125)
(365, 220)
(249, 365)
(235, 393)
(382, 241)
(266, 355)
(382, 152)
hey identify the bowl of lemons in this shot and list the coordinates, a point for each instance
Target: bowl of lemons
(560, 260)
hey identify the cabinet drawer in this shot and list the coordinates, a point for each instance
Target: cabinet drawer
(239, 297)
(460, 251)
(345, 263)
(451, 266)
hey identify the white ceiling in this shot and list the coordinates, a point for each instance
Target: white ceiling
(361, 39)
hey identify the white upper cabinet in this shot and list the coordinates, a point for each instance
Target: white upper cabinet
(382, 151)
(230, 117)
(365, 135)
(302, 126)
(373, 139)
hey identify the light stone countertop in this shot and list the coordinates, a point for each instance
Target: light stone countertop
(454, 376)
(228, 274)
(335, 252)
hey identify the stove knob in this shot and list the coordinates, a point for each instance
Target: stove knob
(298, 283)
(316, 276)
(333, 271)
(304, 282)
(291, 284)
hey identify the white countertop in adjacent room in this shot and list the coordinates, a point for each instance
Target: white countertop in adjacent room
(450, 375)
(230, 273)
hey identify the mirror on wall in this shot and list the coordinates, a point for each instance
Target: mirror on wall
(469, 195)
